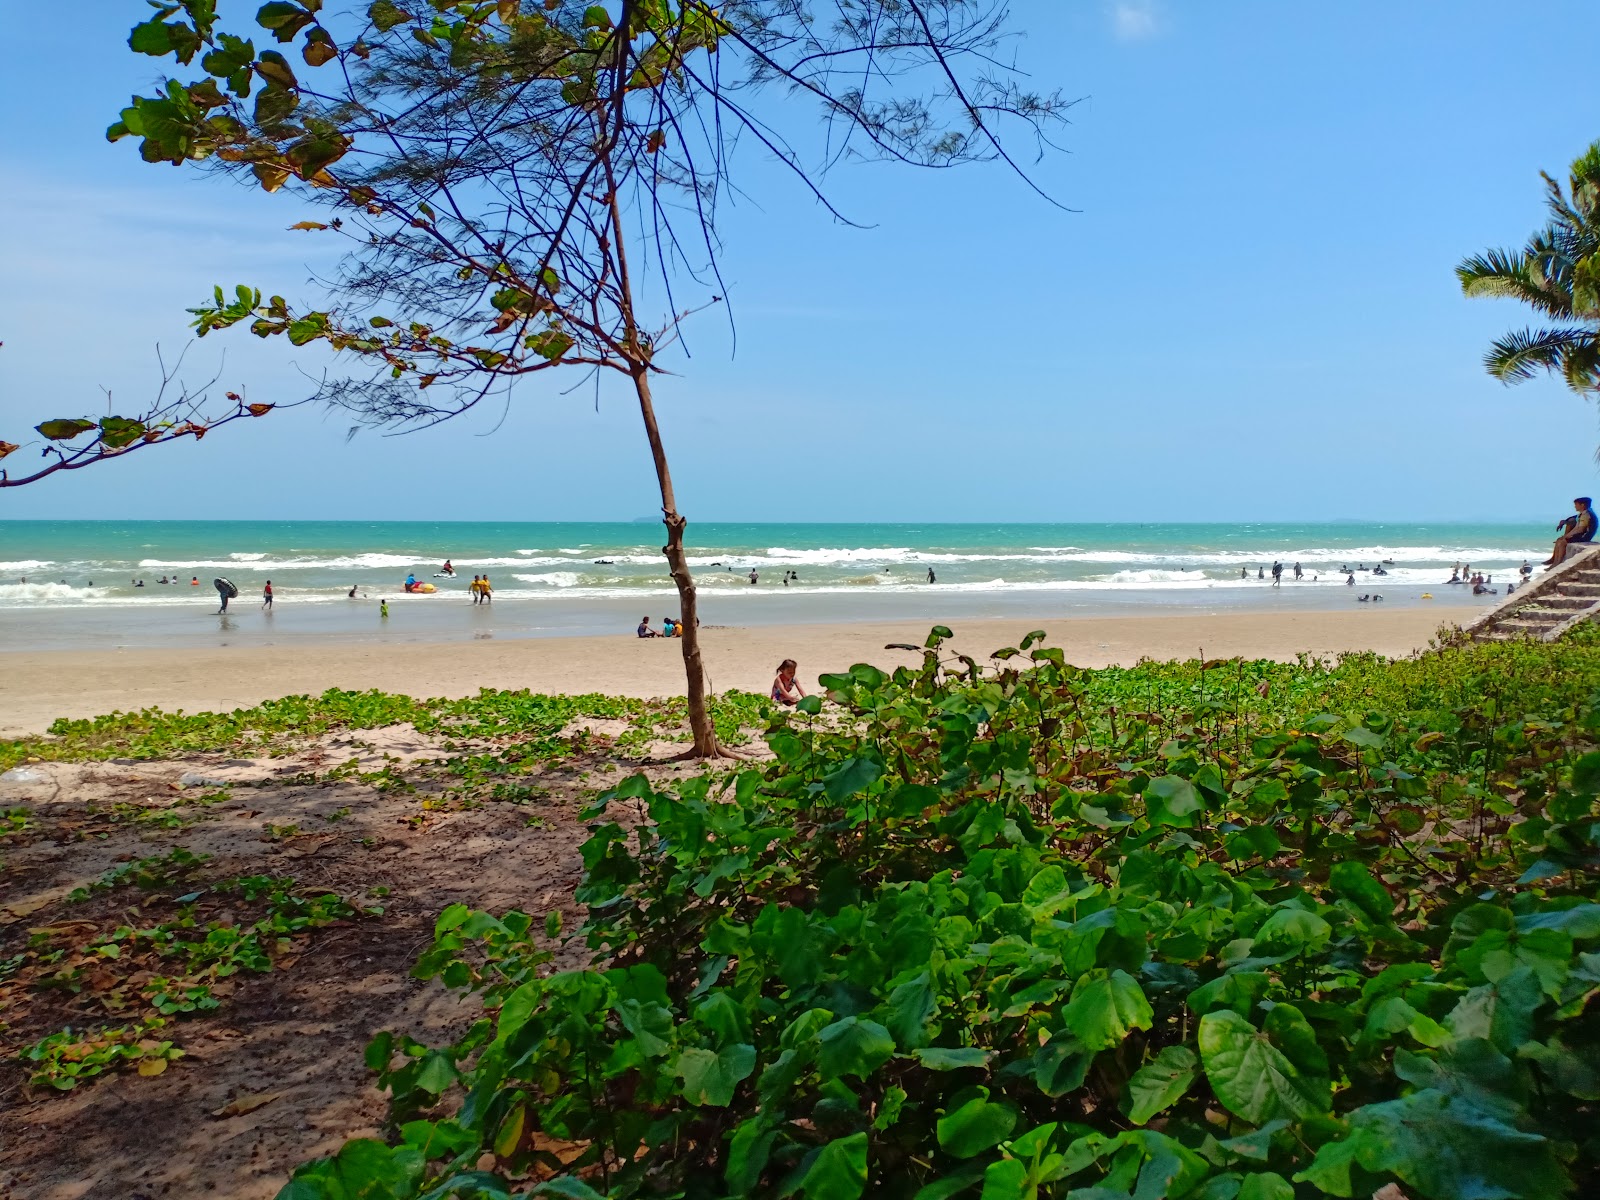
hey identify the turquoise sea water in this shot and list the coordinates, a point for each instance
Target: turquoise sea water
(74, 582)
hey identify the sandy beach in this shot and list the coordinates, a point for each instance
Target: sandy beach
(38, 687)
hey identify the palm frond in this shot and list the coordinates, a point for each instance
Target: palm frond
(1522, 355)
(1516, 275)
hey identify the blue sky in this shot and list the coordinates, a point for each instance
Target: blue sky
(1252, 316)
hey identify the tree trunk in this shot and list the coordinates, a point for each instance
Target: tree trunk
(700, 724)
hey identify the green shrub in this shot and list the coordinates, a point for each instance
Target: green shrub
(1030, 935)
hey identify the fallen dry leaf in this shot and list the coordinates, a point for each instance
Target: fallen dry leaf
(245, 1104)
(152, 1066)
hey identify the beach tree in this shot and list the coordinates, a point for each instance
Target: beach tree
(1557, 274)
(532, 186)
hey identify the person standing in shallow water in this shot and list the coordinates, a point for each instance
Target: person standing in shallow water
(1277, 574)
(932, 578)
(266, 595)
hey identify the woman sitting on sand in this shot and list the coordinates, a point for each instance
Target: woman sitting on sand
(786, 689)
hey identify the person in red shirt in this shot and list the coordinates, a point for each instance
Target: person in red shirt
(266, 595)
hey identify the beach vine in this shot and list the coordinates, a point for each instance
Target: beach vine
(1036, 931)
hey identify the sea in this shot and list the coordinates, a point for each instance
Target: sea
(77, 584)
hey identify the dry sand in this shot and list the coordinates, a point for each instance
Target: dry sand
(38, 687)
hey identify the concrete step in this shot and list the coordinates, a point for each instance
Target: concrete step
(1591, 590)
(1529, 624)
(1567, 604)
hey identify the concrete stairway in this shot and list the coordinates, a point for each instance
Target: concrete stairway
(1546, 608)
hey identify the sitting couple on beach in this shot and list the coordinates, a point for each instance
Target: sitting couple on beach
(1578, 529)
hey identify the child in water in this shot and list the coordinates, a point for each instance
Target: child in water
(383, 609)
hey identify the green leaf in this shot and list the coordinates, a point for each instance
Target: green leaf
(386, 14)
(1581, 922)
(437, 1073)
(570, 1187)
(852, 776)
(1292, 930)
(1006, 1179)
(853, 1047)
(275, 69)
(1105, 1007)
(710, 1078)
(911, 1006)
(307, 328)
(1360, 735)
(117, 432)
(283, 19)
(1268, 1185)
(1444, 1148)
(1499, 1012)
(975, 1126)
(1172, 800)
(64, 429)
(1252, 1077)
(1160, 1083)
(839, 1171)
(951, 1058)
(1355, 883)
(725, 1017)
(748, 1152)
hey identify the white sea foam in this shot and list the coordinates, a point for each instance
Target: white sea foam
(250, 558)
(560, 579)
(29, 595)
(25, 565)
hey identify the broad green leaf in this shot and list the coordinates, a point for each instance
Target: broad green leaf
(975, 1126)
(710, 1078)
(1499, 1012)
(1105, 1007)
(1172, 800)
(1355, 883)
(568, 1186)
(1581, 922)
(852, 776)
(1268, 1185)
(1160, 1083)
(725, 1017)
(951, 1058)
(839, 1171)
(748, 1151)
(1251, 1076)
(386, 14)
(64, 429)
(1291, 930)
(853, 1047)
(1006, 1179)
(1445, 1149)
(911, 1006)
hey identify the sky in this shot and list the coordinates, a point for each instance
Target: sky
(1250, 315)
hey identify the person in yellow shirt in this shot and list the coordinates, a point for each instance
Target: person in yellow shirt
(485, 590)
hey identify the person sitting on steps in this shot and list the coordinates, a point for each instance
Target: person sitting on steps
(1578, 529)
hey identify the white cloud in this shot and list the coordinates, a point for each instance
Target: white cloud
(1136, 20)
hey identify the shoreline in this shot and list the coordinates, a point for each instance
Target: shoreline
(37, 686)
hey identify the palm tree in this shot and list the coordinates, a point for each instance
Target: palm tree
(1558, 274)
